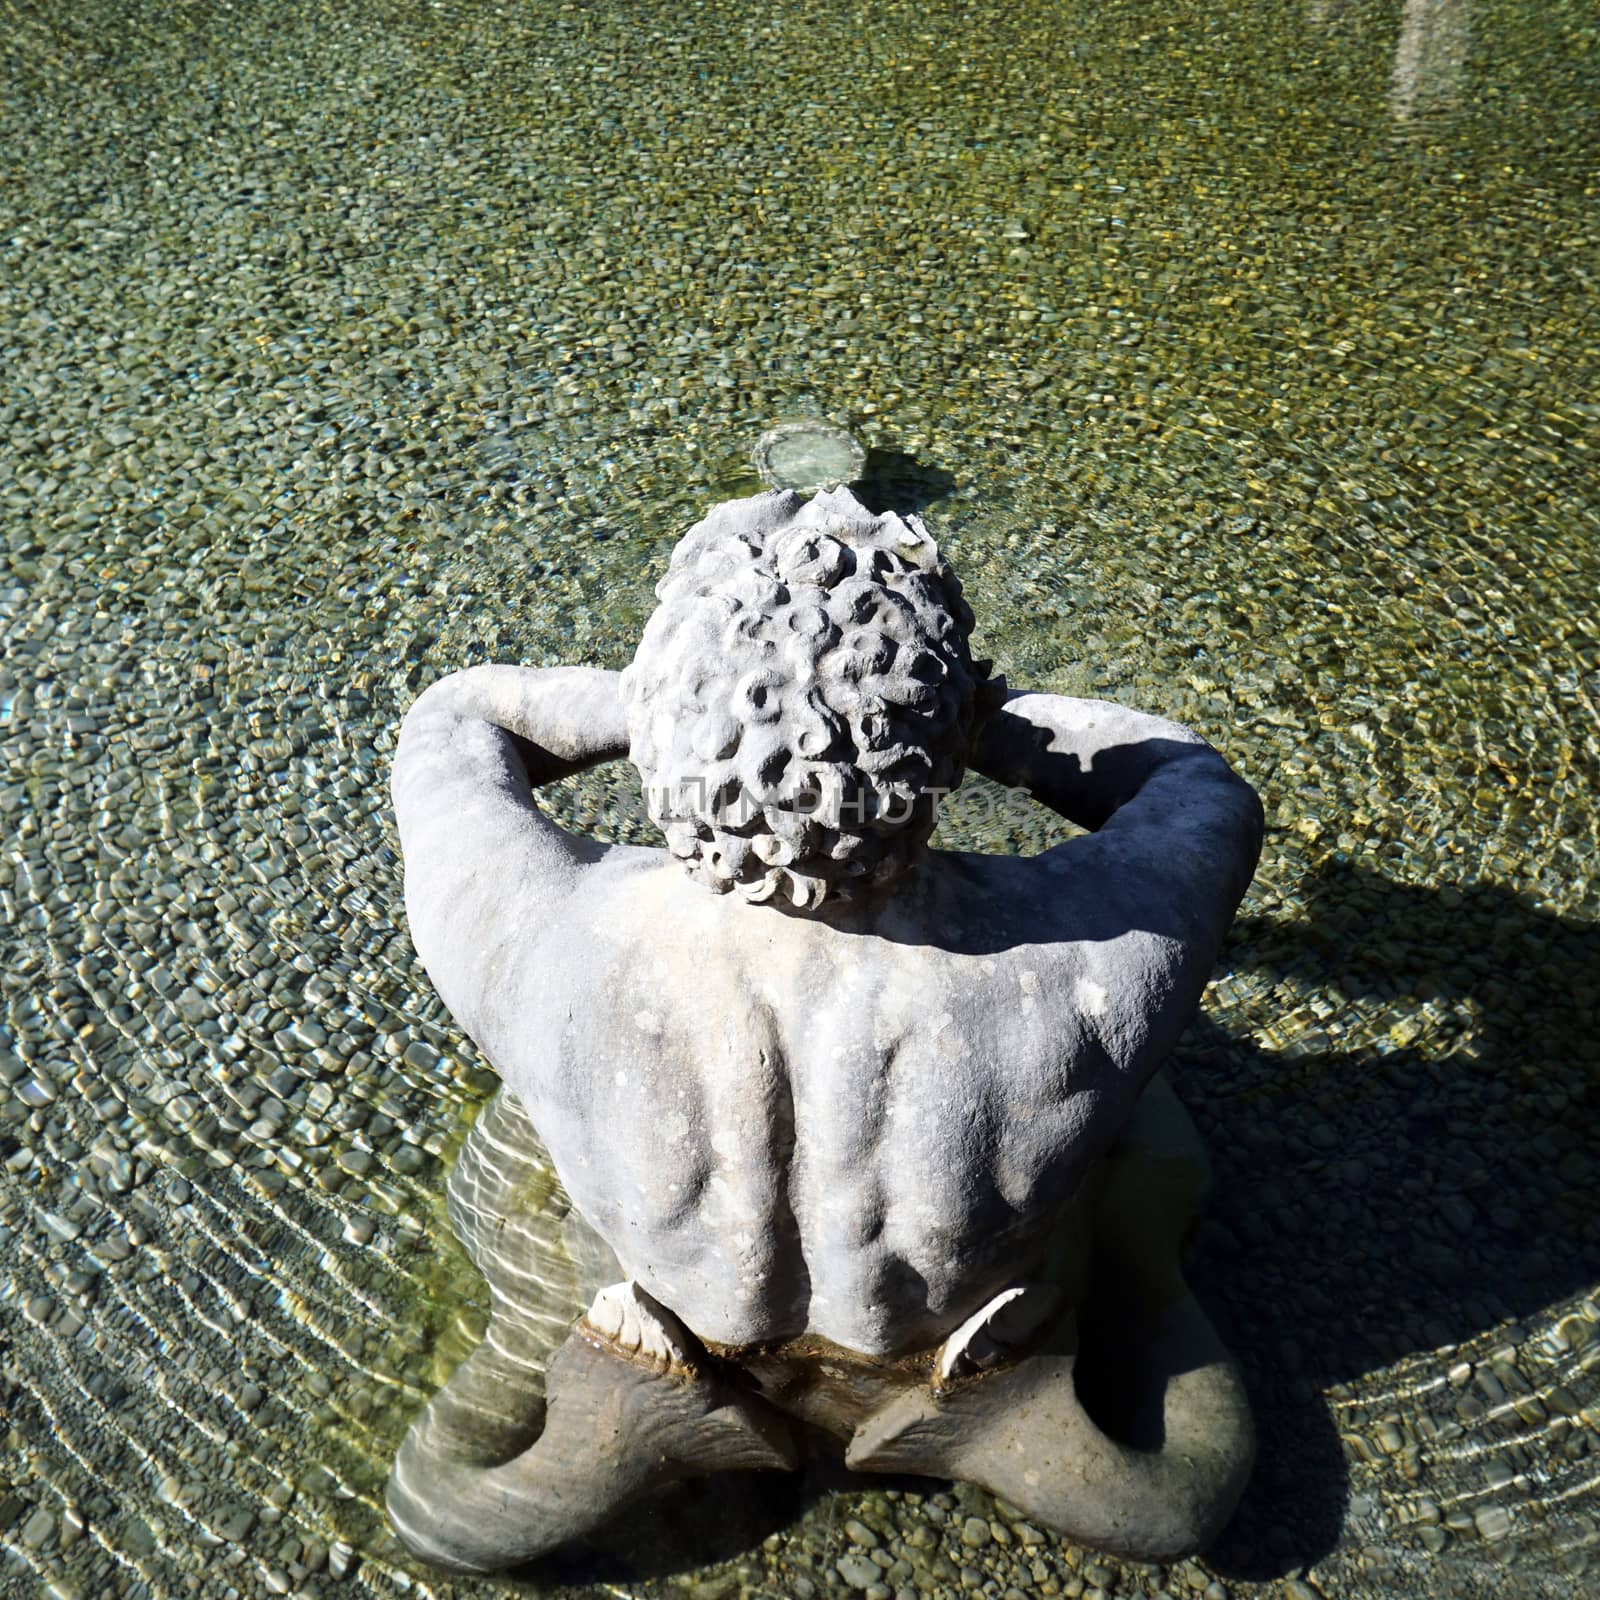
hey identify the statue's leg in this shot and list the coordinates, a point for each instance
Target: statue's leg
(633, 1403)
(1022, 1433)
(1004, 1409)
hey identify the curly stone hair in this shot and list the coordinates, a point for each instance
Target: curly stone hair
(803, 696)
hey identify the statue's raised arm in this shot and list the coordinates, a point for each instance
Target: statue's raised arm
(482, 859)
(1167, 809)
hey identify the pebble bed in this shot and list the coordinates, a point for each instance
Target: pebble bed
(1243, 359)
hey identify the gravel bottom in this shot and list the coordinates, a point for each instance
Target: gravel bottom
(1244, 364)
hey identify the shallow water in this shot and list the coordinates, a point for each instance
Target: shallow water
(1243, 361)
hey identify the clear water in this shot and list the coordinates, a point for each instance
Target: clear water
(1243, 359)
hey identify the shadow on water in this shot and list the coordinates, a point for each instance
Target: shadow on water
(1375, 1205)
(895, 481)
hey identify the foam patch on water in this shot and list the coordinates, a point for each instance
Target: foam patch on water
(808, 455)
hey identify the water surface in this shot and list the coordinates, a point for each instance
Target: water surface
(1243, 359)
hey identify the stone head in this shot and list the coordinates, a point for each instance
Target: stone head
(803, 696)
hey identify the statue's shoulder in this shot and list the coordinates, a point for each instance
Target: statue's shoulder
(627, 890)
(632, 918)
(1091, 931)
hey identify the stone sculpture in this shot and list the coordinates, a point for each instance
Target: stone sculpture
(871, 1131)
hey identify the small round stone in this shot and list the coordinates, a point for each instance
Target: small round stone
(857, 1570)
(408, 1160)
(37, 1529)
(1493, 1522)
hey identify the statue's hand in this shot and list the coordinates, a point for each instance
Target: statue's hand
(1161, 799)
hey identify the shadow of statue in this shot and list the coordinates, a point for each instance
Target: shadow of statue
(895, 481)
(1402, 1199)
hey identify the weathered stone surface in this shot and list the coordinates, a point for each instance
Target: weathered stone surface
(852, 1096)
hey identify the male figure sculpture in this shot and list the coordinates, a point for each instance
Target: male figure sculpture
(845, 1108)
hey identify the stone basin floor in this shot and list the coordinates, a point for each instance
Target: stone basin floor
(1244, 362)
